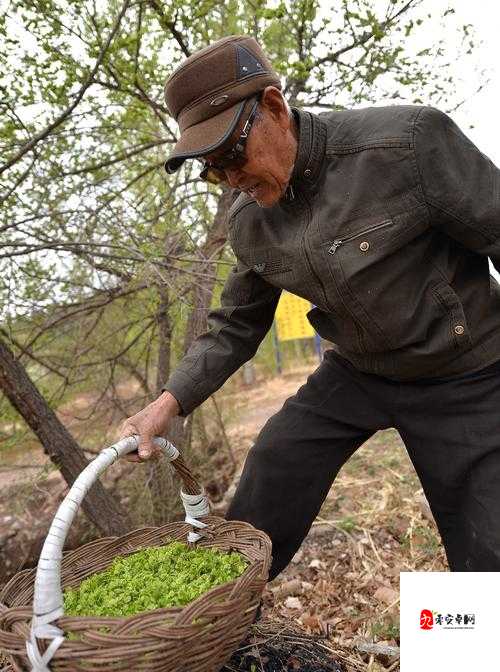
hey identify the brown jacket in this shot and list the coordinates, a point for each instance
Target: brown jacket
(387, 230)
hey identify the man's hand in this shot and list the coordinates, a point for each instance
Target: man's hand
(152, 421)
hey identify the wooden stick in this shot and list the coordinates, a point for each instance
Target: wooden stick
(377, 649)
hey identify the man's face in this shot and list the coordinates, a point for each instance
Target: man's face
(270, 150)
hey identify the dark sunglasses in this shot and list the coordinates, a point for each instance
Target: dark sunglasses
(214, 172)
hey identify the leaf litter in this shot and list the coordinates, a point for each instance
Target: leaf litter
(343, 583)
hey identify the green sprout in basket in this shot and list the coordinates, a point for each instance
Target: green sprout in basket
(165, 576)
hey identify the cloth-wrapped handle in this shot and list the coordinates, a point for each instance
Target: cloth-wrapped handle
(48, 597)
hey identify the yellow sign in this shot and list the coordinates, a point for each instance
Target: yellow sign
(291, 321)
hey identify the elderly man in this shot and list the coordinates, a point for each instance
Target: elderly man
(384, 219)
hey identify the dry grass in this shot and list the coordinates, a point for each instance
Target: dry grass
(344, 581)
(343, 584)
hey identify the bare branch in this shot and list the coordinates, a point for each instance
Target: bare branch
(363, 38)
(170, 25)
(138, 149)
(29, 146)
(24, 351)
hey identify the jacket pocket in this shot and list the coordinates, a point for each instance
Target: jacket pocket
(364, 245)
(457, 329)
(340, 331)
(384, 278)
(353, 263)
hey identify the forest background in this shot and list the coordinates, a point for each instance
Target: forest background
(108, 266)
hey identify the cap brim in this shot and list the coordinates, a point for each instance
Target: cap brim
(205, 137)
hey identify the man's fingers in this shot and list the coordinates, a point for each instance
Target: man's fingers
(146, 449)
(126, 430)
(146, 446)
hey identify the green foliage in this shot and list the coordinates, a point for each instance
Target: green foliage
(425, 541)
(93, 233)
(348, 524)
(167, 576)
(385, 629)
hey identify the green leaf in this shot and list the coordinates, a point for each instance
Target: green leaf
(166, 576)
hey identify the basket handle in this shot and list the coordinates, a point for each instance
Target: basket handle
(48, 597)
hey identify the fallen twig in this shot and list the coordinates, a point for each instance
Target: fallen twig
(377, 649)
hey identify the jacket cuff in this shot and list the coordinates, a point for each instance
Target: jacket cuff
(182, 387)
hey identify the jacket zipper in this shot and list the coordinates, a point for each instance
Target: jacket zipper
(340, 241)
(316, 276)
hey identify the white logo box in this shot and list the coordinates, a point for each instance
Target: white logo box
(459, 644)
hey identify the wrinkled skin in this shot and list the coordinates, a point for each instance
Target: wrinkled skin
(152, 421)
(271, 150)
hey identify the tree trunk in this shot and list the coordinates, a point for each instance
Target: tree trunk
(164, 497)
(57, 442)
(164, 335)
(208, 254)
(180, 428)
(160, 480)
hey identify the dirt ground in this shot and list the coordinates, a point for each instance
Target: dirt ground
(344, 581)
(343, 584)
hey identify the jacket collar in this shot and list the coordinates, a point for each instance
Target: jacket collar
(310, 153)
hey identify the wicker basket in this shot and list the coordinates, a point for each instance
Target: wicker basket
(199, 637)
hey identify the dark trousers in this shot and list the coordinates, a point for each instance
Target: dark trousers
(451, 430)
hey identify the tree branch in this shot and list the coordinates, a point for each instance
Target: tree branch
(29, 146)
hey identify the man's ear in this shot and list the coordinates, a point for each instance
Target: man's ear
(273, 103)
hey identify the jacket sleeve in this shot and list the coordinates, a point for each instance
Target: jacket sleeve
(461, 185)
(236, 329)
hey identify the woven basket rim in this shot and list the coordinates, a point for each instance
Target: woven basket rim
(67, 555)
(198, 636)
